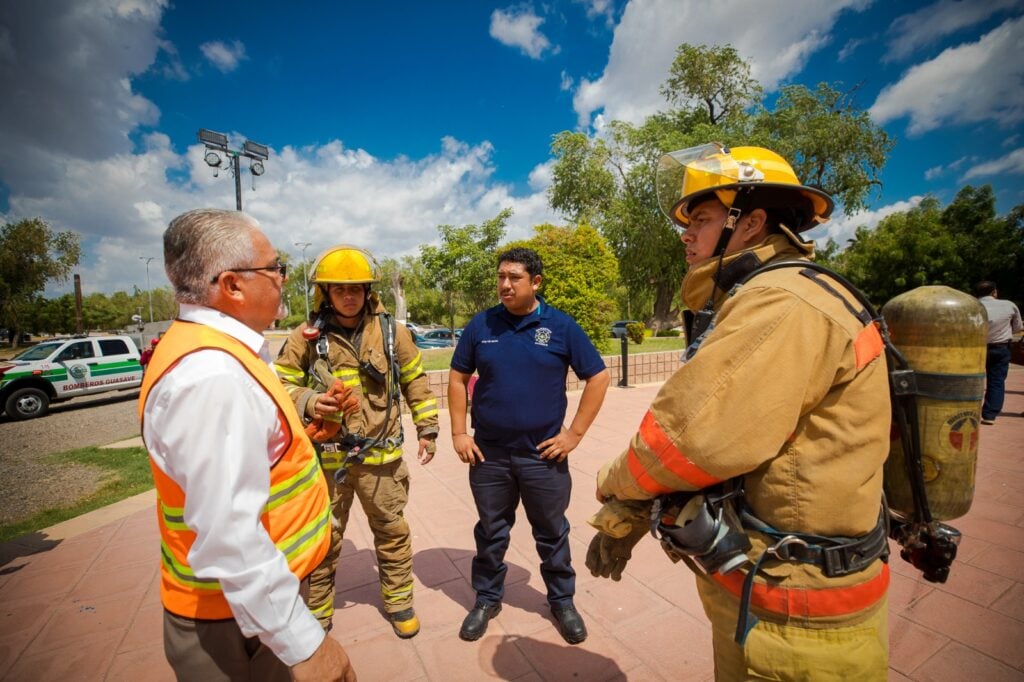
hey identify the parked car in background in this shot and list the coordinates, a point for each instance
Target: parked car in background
(435, 338)
(67, 368)
(619, 328)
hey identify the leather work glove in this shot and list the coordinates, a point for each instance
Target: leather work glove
(320, 430)
(621, 525)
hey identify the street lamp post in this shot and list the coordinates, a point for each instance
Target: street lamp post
(217, 144)
(305, 282)
(149, 290)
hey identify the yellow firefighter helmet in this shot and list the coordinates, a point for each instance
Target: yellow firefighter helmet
(342, 264)
(689, 174)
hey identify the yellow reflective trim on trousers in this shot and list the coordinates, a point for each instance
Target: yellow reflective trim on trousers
(325, 611)
(396, 595)
(174, 517)
(295, 485)
(311, 533)
(292, 376)
(183, 574)
(333, 460)
(422, 410)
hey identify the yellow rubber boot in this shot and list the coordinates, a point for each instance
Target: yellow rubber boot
(405, 623)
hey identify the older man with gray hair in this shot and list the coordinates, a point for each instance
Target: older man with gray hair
(242, 504)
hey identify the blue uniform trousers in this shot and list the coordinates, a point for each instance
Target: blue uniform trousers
(498, 484)
(997, 366)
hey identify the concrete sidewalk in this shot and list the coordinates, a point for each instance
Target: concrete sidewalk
(85, 605)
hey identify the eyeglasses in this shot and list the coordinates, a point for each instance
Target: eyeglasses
(279, 268)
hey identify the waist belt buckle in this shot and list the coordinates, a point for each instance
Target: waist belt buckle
(780, 550)
(330, 447)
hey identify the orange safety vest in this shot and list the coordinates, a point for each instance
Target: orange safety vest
(297, 512)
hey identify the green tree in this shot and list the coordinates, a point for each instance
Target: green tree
(580, 273)
(610, 182)
(462, 268)
(31, 254)
(991, 247)
(715, 76)
(907, 250)
(830, 142)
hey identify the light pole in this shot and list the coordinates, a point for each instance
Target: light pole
(305, 282)
(149, 291)
(254, 151)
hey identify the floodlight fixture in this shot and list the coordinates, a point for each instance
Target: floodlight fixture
(255, 150)
(213, 139)
(217, 144)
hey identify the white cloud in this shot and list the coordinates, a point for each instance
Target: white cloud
(842, 227)
(323, 194)
(518, 27)
(225, 57)
(775, 36)
(567, 82)
(599, 9)
(849, 48)
(69, 63)
(930, 24)
(542, 175)
(940, 170)
(1012, 163)
(971, 83)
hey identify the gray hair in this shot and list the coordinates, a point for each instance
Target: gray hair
(201, 244)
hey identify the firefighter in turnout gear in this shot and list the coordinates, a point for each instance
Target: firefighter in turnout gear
(352, 338)
(764, 452)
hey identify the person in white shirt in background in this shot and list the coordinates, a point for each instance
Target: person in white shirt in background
(242, 502)
(1003, 322)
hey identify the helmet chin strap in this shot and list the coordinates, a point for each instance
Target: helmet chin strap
(705, 315)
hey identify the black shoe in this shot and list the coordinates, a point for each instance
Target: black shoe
(475, 624)
(570, 623)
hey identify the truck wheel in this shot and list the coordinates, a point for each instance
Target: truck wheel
(27, 403)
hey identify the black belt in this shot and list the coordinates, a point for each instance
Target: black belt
(1001, 343)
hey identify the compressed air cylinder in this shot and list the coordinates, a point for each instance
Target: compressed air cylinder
(942, 334)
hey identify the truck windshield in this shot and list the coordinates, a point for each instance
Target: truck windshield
(40, 352)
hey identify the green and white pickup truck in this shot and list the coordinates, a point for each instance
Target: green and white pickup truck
(58, 370)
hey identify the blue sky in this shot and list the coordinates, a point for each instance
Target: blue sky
(387, 119)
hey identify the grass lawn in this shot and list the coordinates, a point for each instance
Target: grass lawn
(440, 358)
(126, 473)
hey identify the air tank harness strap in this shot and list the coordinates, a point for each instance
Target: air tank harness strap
(835, 556)
(356, 449)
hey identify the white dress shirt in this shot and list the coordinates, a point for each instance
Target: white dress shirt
(215, 432)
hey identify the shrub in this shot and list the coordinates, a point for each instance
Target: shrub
(668, 332)
(635, 331)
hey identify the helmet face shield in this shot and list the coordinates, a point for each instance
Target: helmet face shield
(687, 174)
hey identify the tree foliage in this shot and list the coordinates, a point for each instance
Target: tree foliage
(715, 77)
(830, 143)
(31, 254)
(956, 246)
(608, 181)
(580, 272)
(462, 267)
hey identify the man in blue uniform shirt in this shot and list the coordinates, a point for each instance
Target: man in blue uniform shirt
(522, 349)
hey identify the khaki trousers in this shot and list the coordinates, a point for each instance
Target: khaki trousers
(216, 650)
(856, 653)
(383, 491)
